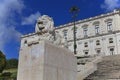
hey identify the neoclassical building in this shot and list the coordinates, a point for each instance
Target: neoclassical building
(95, 35)
(99, 35)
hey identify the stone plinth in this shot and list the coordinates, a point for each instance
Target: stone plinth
(45, 61)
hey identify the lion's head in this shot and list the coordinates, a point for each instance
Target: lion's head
(44, 24)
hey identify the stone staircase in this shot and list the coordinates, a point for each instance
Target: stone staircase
(88, 68)
(107, 69)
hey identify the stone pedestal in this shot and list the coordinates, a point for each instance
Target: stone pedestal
(45, 61)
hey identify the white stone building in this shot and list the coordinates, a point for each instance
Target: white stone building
(99, 35)
(95, 35)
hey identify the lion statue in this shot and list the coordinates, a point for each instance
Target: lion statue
(44, 24)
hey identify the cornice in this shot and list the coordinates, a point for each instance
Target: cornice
(113, 32)
(88, 19)
(27, 35)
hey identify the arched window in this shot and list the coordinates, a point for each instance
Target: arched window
(98, 42)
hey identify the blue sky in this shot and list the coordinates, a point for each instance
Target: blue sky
(17, 17)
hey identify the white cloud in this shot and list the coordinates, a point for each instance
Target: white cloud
(109, 5)
(8, 8)
(31, 19)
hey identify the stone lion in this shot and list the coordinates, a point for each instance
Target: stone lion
(44, 24)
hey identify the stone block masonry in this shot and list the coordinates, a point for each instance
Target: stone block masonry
(45, 61)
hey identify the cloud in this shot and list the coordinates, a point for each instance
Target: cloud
(31, 19)
(8, 32)
(109, 5)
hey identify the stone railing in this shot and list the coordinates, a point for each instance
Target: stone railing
(88, 68)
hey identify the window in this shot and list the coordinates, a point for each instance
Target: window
(65, 34)
(85, 44)
(86, 53)
(110, 40)
(109, 26)
(97, 29)
(85, 32)
(98, 42)
(98, 51)
(111, 51)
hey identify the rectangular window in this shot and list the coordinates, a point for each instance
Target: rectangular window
(97, 29)
(110, 40)
(97, 42)
(109, 26)
(111, 51)
(65, 34)
(85, 44)
(85, 32)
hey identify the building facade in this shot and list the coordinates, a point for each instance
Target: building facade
(97, 35)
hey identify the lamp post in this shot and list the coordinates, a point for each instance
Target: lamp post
(74, 10)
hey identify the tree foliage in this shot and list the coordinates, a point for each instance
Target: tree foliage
(2, 61)
(14, 76)
(12, 63)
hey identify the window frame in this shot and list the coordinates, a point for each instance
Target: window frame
(86, 44)
(111, 40)
(112, 50)
(97, 42)
(85, 32)
(109, 26)
(65, 34)
(97, 29)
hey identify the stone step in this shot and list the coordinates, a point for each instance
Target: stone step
(108, 68)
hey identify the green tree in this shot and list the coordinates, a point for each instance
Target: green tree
(2, 61)
(12, 63)
(14, 76)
